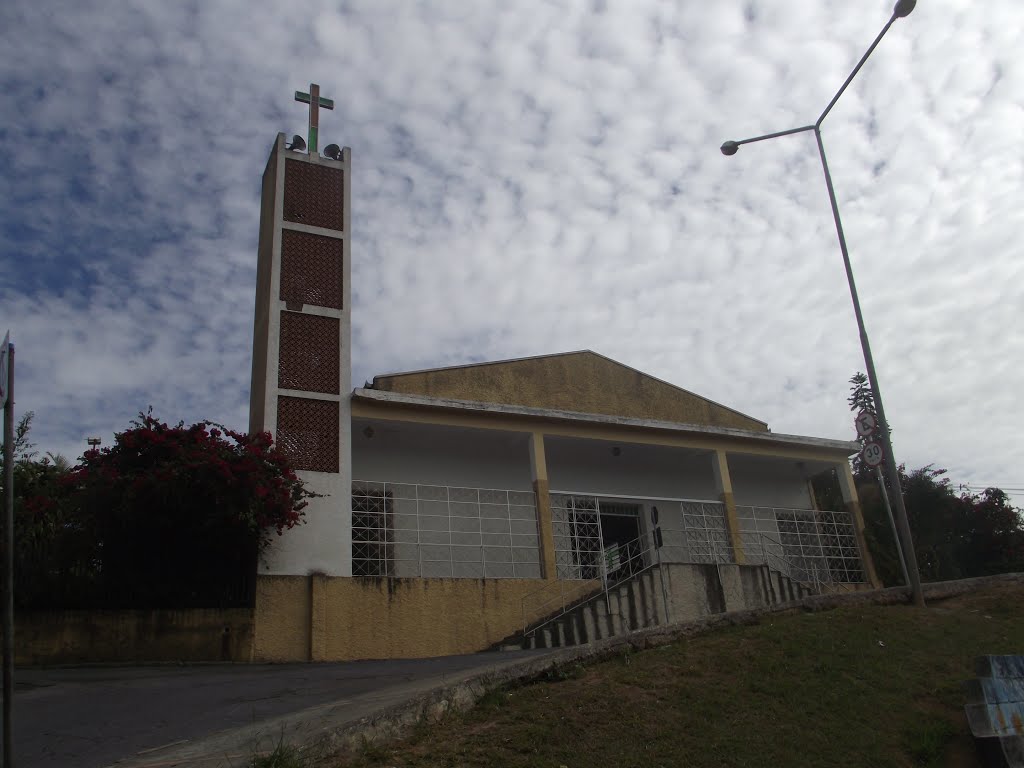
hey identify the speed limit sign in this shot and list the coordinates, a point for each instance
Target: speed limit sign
(873, 454)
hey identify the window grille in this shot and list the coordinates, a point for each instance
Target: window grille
(436, 531)
(372, 532)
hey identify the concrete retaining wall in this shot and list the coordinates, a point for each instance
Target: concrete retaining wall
(319, 618)
(72, 637)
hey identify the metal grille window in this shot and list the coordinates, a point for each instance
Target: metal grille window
(577, 532)
(693, 531)
(811, 546)
(706, 534)
(373, 533)
(437, 531)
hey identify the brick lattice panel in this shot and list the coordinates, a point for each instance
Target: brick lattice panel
(314, 194)
(307, 432)
(311, 269)
(309, 353)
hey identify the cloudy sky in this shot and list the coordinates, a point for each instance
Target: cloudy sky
(529, 178)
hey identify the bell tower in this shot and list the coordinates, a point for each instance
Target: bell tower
(301, 362)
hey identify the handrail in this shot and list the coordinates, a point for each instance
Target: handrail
(791, 566)
(640, 554)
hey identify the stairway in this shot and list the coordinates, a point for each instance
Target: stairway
(780, 588)
(638, 602)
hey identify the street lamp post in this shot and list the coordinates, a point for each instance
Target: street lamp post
(901, 9)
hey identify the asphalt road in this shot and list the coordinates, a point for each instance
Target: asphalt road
(94, 716)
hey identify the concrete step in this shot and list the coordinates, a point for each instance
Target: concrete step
(780, 587)
(633, 604)
(577, 631)
(652, 592)
(589, 619)
(547, 637)
(771, 586)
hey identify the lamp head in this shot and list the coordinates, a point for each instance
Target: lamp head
(730, 147)
(903, 7)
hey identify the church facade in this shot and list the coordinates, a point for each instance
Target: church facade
(456, 502)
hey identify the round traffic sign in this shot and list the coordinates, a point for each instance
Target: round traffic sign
(873, 454)
(865, 423)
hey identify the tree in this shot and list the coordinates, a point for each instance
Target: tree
(953, 536)
(167, 516)
(23, 448)
(988, 534)
(51, 553)
(862, 399)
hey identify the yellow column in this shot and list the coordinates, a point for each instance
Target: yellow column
(849, 490)
(539, 469)
(724, 484)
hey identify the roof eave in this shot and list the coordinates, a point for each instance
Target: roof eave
(393, 398)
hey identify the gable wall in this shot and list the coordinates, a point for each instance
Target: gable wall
(582, 382)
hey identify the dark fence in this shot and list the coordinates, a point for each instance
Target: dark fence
(65, 572)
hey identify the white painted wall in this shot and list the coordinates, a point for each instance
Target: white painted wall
(323, 543)
(445, 538)
(639, 470)
(406, 452)
(764, 481)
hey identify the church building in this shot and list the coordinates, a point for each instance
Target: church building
(465, 507)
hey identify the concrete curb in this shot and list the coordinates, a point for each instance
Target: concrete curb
(344, 726)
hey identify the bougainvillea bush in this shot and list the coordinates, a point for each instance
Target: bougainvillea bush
(177, 515)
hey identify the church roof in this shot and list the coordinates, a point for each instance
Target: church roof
(582, 382)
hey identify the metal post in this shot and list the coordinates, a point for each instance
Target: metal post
(8, 591)
(419, 545)
(661, 571)
(892, 524)
(883, 423)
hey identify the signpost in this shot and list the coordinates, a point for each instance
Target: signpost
(873, 454)
(4, 368)
(7, 398)
(658, 543)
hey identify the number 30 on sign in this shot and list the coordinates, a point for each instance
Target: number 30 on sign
(872, 454)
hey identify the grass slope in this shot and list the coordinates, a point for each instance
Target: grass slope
(864, 686)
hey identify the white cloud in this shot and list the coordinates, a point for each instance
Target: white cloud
(529, 179)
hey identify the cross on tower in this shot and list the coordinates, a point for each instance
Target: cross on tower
(315, 101)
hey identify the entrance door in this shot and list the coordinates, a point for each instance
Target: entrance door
(620, 538)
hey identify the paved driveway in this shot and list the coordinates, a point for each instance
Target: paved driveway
(95, 716)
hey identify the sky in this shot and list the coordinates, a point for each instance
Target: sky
(529, 178)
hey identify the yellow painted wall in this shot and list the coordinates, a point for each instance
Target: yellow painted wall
(283, 615)
(581, 381)
(68, 637)
(375, 618)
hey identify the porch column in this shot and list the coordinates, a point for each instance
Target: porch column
(723, 483)
(849, 491)
(539, 470)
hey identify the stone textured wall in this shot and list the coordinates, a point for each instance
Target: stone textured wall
(71, 637)
(584, 382)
